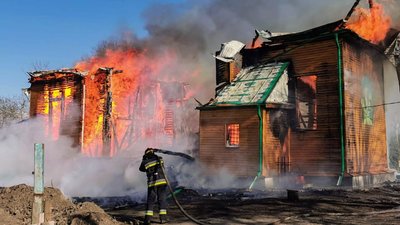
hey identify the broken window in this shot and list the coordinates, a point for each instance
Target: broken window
(232, 135)
(306, 103)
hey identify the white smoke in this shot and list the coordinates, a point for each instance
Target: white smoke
(392, 111)
(65, 167)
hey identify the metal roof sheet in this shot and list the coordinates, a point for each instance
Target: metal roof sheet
(229, 50)
(252, 85)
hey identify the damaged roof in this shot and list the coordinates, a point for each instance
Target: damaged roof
(54, 74)
(326, 30)
(252, 86)
(63, 71)
(229, 50)
(314, 32)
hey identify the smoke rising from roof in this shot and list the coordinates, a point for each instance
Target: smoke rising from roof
(194, 31)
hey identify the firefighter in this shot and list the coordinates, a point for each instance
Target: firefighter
(156, 185)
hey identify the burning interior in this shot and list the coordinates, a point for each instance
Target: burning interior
(103, 114)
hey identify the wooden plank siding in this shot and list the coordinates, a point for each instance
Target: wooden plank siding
(317, 152)
(363, 81)
(68, 106)
(276, 146)
(313, 152)
(241, 161)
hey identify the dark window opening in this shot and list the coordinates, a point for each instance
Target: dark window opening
(306, 102)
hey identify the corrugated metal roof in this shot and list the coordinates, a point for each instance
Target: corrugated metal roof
(252, 85)
(229, 50)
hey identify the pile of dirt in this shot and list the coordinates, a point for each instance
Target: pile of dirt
(16, 207)
(6, 218)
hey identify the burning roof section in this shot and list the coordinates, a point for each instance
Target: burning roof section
(372, 25)
(53, 74)
(307, 34)
(256, 85)
(318, 33)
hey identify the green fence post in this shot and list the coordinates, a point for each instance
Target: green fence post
(38, 189)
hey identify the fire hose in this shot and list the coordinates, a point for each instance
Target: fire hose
(169, 186)
(167, 152)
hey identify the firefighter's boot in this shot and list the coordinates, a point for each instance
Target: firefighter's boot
(147, 220)
(163, 219)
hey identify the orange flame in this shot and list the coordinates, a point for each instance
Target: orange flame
(372, 24)
(137, 96)
(257, 43)
(121, 86)
(53, 105)
(311, 81)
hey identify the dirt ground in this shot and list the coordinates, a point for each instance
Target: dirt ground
(16, 207)
(379, 205)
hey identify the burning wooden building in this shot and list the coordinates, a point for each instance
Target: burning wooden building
(104, 112)
(307, 104)
(56, 97)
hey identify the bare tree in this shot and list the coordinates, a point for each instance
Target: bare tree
(40, 65)
(13, 109)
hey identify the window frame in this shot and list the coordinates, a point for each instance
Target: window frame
(312, 105)
(227, 144)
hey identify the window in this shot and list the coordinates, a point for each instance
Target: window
(232, 135)
(306, 103)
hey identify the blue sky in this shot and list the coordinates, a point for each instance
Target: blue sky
(57, 33)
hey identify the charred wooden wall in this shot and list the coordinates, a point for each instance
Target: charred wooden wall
(57, 100)
(241, 161)
(313, 152)
(365, 125)
(95, 114)
(276, 143)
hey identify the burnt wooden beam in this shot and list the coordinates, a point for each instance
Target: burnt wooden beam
(371, 3)
(107, 112)
(352, 10)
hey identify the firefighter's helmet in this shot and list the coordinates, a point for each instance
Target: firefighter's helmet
(149, 151)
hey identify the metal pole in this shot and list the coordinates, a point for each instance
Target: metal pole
(38, 189)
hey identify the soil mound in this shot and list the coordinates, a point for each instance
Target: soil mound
(16, 206)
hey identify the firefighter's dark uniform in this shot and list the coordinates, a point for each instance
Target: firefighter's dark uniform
(157, 185)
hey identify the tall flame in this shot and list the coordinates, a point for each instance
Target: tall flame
(139, 102)
(371, 24)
